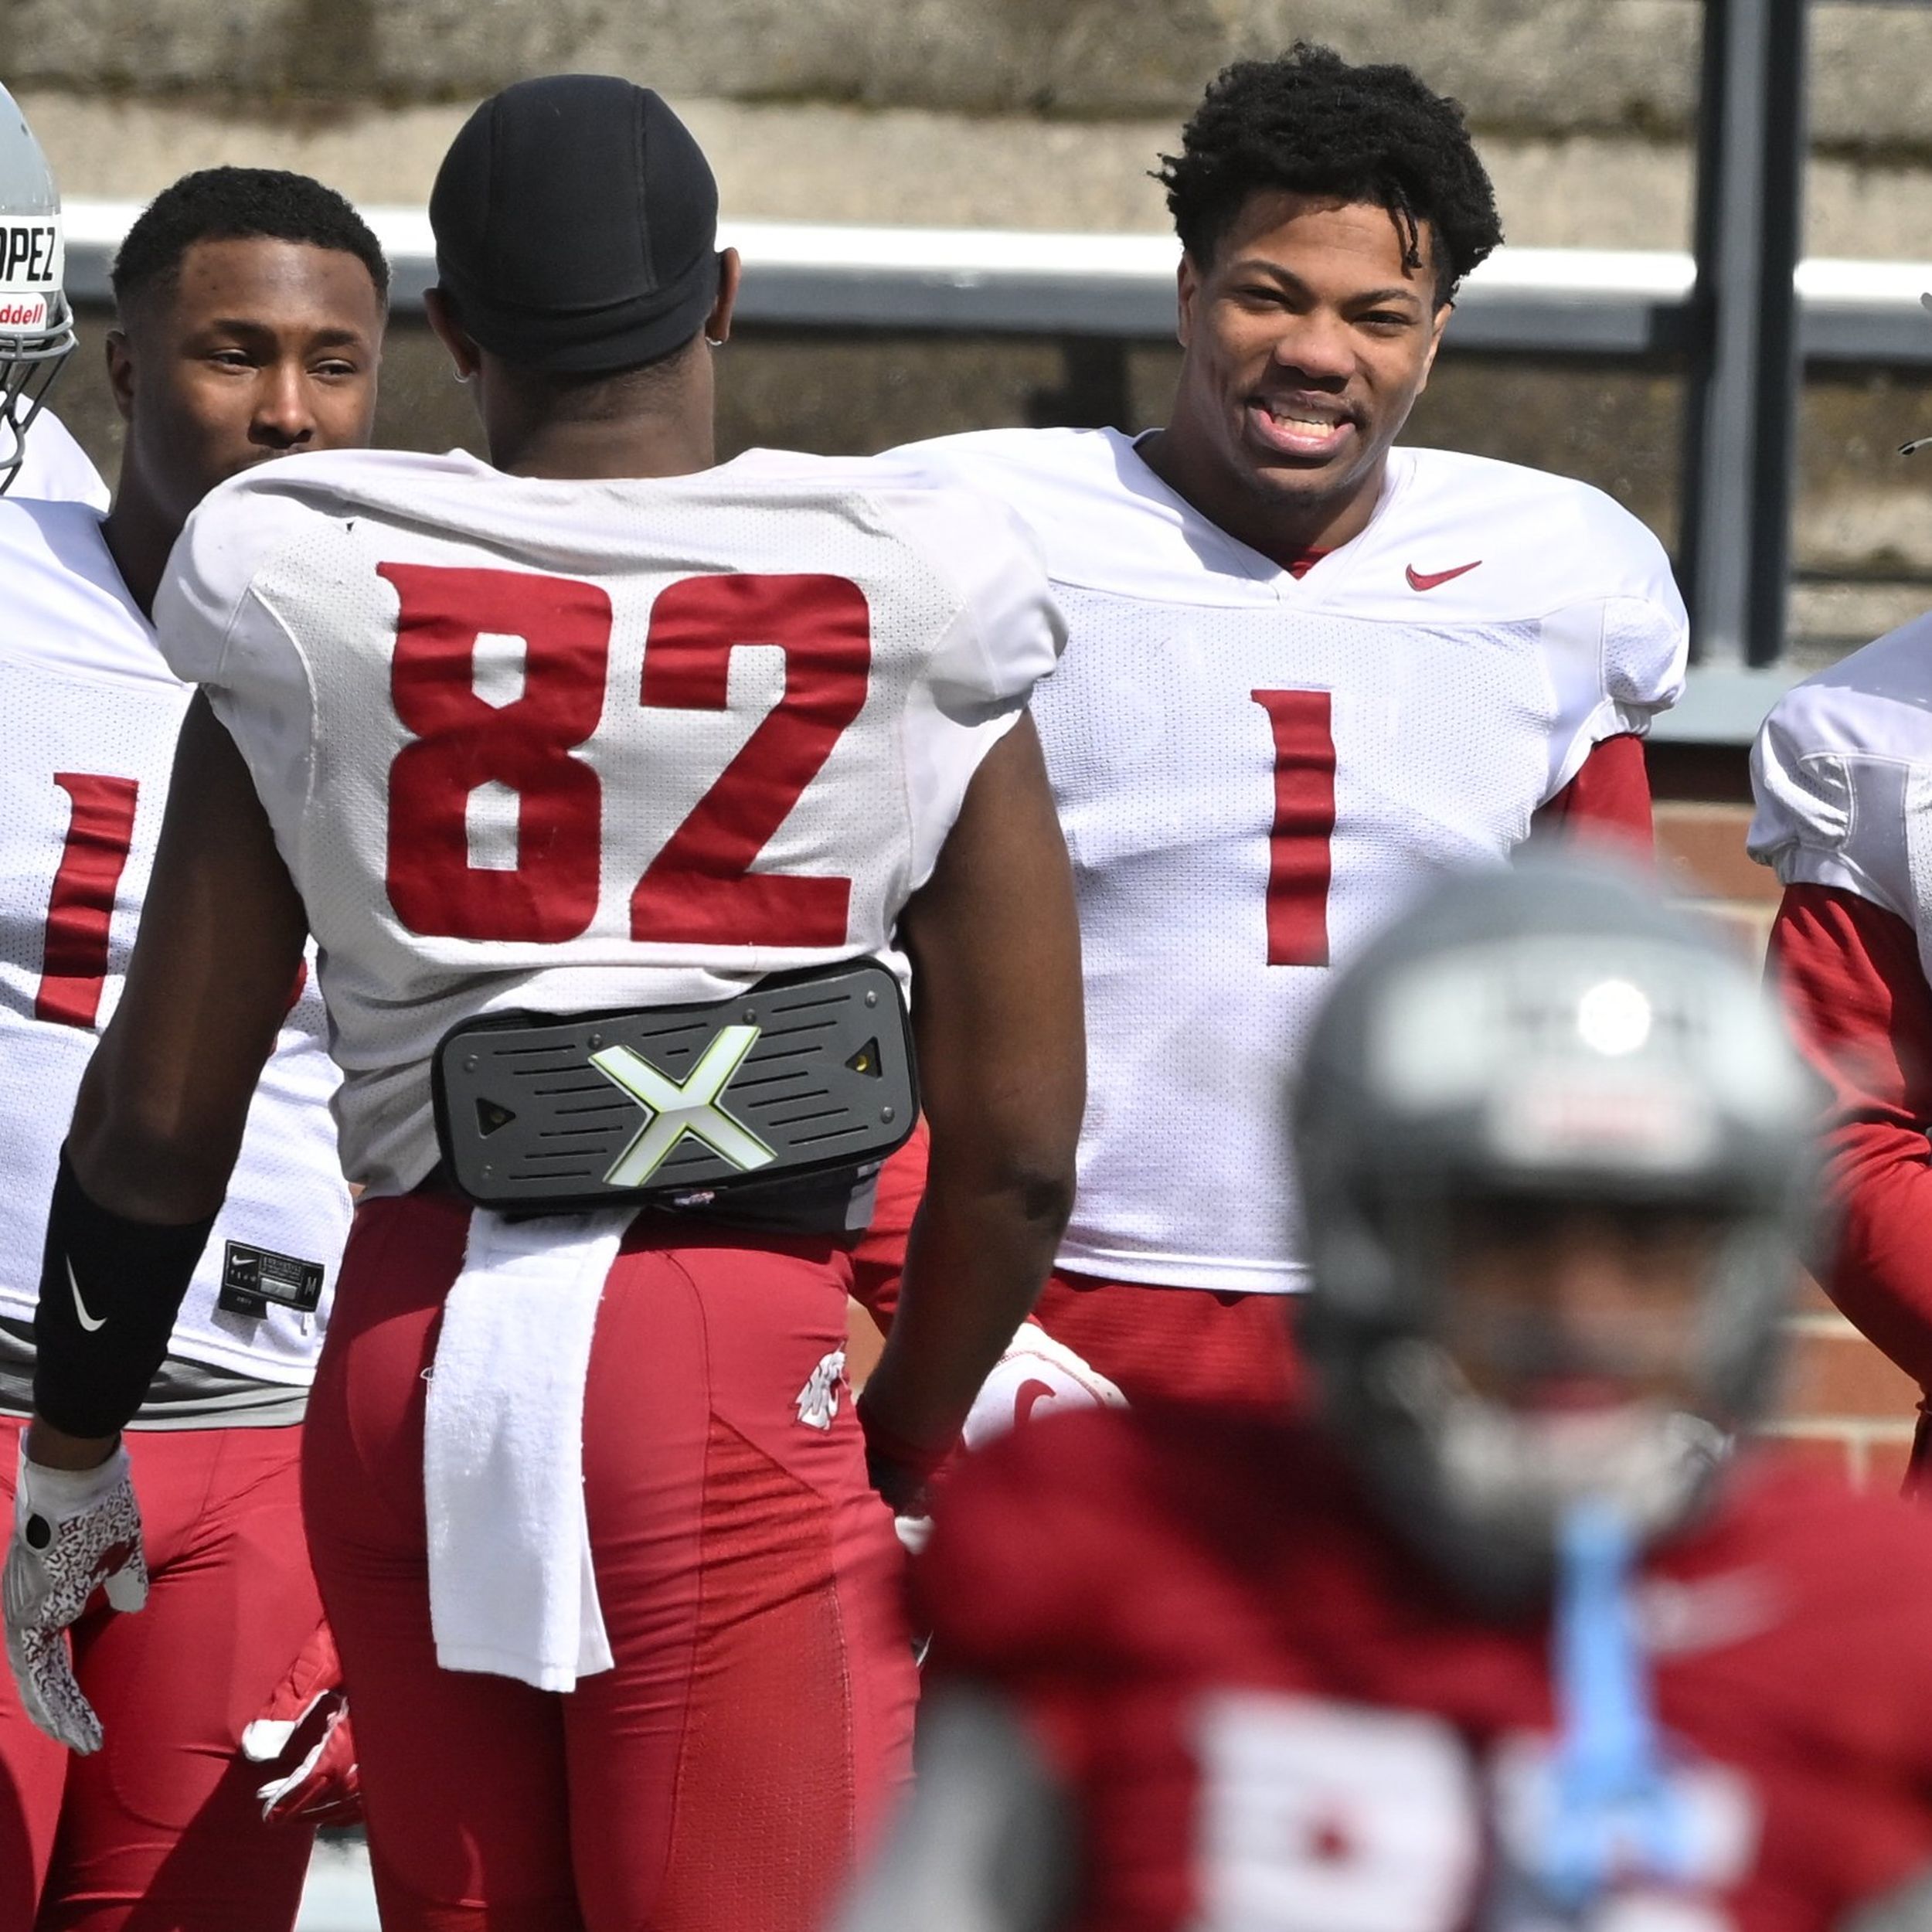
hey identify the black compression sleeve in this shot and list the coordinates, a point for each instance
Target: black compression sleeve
(110, 1291)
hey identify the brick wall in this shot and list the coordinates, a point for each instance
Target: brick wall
(1844, 1403)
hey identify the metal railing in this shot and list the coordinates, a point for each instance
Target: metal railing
(1101, 293)
(1620, 303)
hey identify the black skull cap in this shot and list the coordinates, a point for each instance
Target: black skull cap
(576, 222)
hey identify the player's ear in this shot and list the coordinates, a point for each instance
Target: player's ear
(451, 334)
(1187, 289)
(717, 327)
(1437, 323)
(120, 373)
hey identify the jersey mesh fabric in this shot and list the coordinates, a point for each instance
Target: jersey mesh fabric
(84, 692)
(281, 599)
(1489, 628)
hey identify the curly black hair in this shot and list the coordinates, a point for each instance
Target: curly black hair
(1311, 123)
(238, 204)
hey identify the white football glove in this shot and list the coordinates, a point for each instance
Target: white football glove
(1036, 1375)
(74, 1531)
(304, 1732)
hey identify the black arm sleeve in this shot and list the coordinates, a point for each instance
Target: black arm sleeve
(987, 1842)
(110, 1291)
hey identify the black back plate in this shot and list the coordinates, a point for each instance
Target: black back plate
(527, 1120)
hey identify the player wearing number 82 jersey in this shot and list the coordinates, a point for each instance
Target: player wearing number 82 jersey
(547, 788)
(605, 728)
(543, 789)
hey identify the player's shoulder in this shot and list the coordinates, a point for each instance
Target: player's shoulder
(245, 523)
(54, 466)
(1842, 771)
(1853, 1570)
(1874, 703)
(945, 513)
(1522, 542)
(337, 484)
(52, 533)
(991, 458)
(67, 606)
(1103, 520)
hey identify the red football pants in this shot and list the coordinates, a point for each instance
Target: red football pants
(160, 1830)
(726, 1774)
(1154, 1344)
(1175, 1345)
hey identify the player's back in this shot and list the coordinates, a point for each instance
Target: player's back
(563, 746)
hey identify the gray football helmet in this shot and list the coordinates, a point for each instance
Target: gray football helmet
(36, 323)
(1549, 1034)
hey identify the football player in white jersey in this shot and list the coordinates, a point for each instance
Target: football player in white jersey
(1307, 672)
(612, 785)
(1843, 776)
(251, 309)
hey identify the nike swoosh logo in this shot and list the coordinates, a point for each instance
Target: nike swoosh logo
(1428, 579)
(87, 1321)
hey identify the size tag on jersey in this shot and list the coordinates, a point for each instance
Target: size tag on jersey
(253, 1277)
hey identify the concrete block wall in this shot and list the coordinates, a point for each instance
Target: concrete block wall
(1843, 1404)
(1555, 66)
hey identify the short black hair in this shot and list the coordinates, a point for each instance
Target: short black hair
(1309, 122)
(238, 204)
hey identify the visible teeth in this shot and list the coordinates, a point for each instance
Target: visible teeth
(1316, 425)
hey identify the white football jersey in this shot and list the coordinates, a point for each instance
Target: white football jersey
(1842, 772)
(92, 714)
(55, 469)
(1255, 772)
(561, 746)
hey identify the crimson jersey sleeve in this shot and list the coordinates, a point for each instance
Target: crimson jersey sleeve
(1031, 1552)
(1608, 800)
(1842, 773)
(1849, 976)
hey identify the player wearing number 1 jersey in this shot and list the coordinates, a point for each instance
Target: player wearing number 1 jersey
(251, 311)
(603, 730)
(1307, 674)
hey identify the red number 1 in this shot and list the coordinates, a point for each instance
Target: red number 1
(1300, 862)
(74, 964)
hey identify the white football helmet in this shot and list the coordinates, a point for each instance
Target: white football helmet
(36, 323)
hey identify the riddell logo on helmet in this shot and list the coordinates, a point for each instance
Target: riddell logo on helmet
(23, 312)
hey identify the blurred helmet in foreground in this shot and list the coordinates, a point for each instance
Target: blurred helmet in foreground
(36, 325)
(1557, 1151)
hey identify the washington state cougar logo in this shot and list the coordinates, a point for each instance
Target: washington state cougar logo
(818, 1400)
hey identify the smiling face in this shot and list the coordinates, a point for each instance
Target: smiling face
(257, 348)
(1306, 340)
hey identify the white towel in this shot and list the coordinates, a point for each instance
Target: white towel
(511, 1586)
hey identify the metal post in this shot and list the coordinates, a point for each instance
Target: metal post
(1741, 445)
